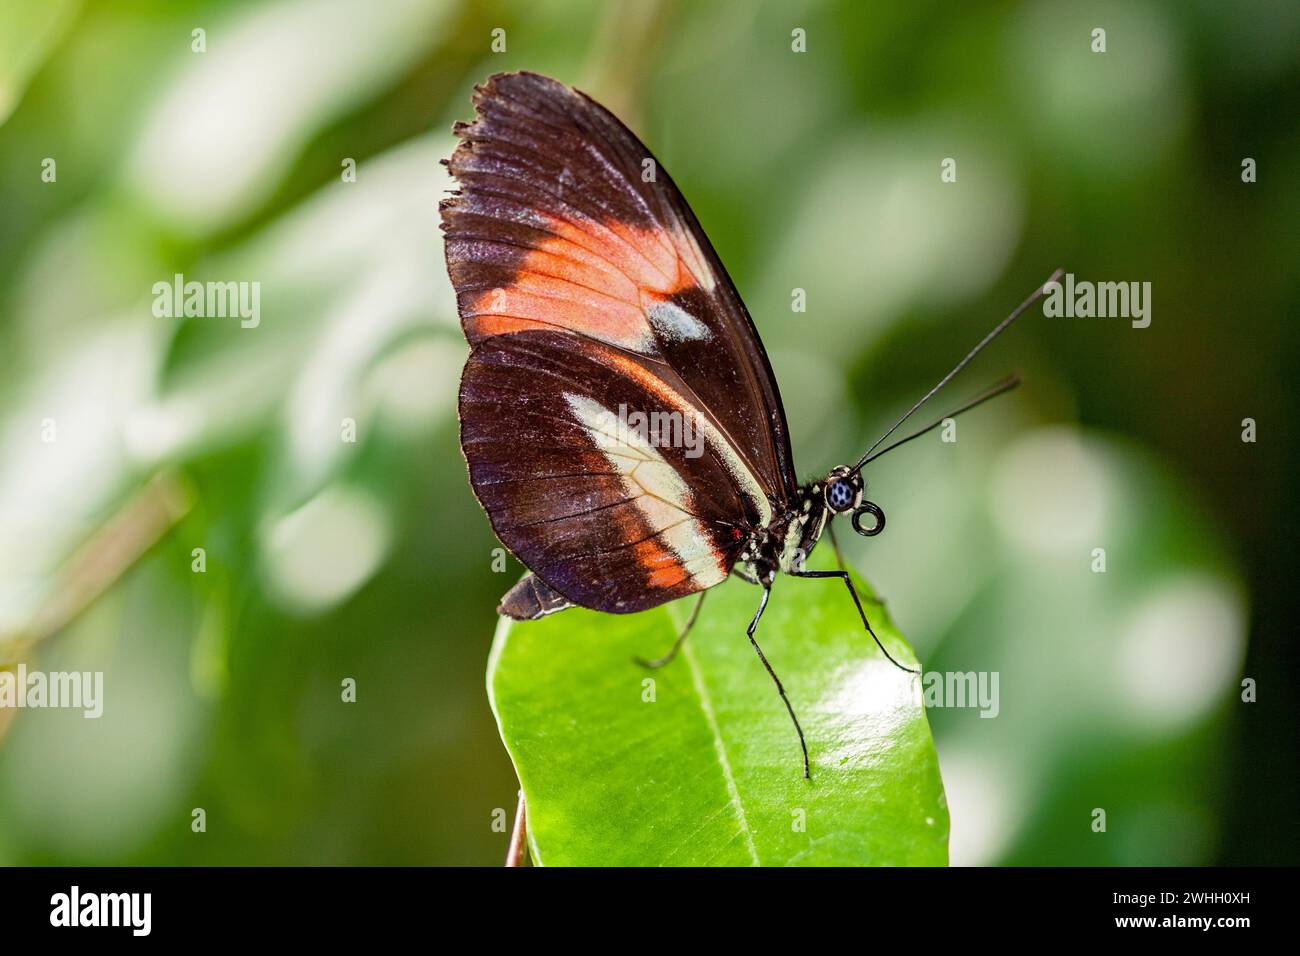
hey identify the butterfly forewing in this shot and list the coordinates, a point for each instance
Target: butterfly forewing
(588, 292)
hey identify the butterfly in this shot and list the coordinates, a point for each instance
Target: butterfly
(618, 413)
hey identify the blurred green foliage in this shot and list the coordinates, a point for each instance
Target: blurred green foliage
(327, 559)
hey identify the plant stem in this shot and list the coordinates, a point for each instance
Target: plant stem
(518, 852)
(145, 518)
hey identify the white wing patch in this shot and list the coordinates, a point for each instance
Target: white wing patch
(675, 323)
(655, 485)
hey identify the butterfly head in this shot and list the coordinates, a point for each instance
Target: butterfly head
(843, 490)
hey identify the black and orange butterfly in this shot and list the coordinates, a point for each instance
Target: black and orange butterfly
(590, 295)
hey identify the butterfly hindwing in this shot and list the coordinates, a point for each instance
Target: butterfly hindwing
(605, 516)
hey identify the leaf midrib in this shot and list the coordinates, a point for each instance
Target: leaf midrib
(720, 747)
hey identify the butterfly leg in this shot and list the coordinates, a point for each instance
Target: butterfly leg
(753, 626)
(677, 644)
(848, 583)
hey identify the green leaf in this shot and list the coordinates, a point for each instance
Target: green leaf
(708, 772)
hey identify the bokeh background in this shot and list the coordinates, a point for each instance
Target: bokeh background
(327, 559)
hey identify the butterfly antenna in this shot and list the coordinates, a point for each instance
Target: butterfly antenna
(993, 391)
(997, 330)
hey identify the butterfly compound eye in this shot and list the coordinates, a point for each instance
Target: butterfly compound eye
(840, 495)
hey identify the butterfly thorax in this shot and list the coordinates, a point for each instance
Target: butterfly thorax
(785, 544)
